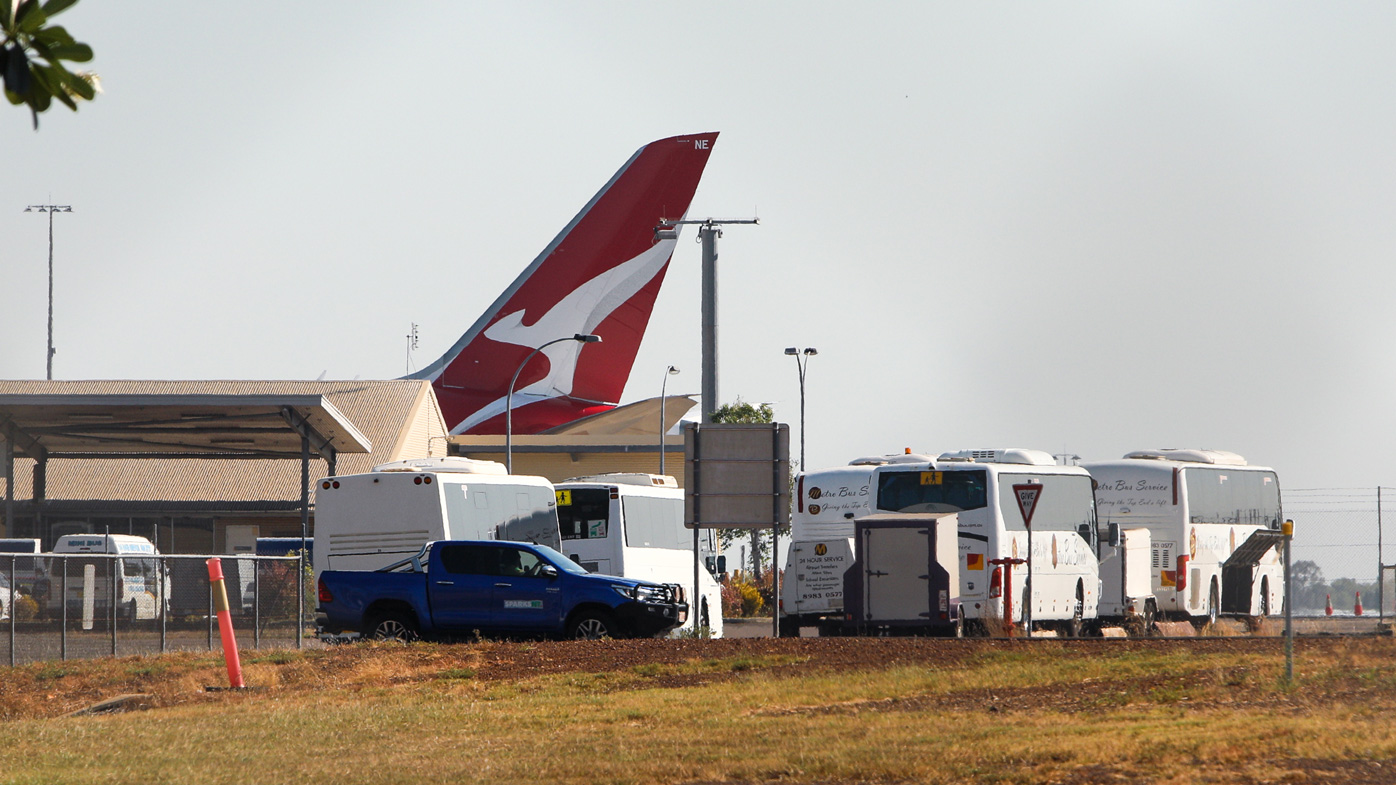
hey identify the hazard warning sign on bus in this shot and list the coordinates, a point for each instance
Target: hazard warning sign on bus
(1027, 496)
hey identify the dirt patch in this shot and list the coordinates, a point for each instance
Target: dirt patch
(1349, 670)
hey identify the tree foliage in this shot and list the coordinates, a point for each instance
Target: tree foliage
(741, 412)
(33, 52)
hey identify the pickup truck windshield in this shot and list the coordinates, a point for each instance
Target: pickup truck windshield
(561, 562)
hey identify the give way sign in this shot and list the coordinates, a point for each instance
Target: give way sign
(1027, 496)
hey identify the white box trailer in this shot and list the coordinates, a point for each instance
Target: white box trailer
(1126, 579)
(1214, 521)
(905, 578)
(367, 521)
(631, 525)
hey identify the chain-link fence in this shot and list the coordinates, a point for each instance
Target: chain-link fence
(1342, 556)
(61, 606)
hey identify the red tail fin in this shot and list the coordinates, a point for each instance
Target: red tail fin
(600, 275)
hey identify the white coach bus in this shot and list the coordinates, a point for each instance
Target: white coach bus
(1201, 508)
(366, 521)
(978, 484)
(631, 525)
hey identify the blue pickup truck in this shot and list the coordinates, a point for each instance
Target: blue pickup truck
(512, 589)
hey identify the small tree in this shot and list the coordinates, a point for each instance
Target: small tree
(28, 39)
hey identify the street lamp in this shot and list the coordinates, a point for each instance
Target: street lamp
(509, 399)
(50, 209)
(663, 421)
(802, 365)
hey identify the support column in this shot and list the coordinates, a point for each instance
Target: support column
(709, 234)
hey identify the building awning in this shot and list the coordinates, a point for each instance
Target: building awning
(44, 426)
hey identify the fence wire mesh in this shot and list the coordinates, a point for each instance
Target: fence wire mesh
(1340, 550)
(61, 606)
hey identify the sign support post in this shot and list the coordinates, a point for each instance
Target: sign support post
(1027, 496)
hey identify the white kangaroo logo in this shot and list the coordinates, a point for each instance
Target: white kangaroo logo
(579, 312)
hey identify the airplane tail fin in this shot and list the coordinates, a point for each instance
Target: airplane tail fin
(600, 275)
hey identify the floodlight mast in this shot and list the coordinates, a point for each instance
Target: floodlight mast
(708, 232)
(50, 209)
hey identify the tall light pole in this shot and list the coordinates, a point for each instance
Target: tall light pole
(806, 353)
(50, 209)
(509, 399)
(663, 420)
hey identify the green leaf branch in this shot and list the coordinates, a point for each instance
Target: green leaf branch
(32, 55)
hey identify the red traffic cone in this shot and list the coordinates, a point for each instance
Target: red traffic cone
(1328, 604)
(1357, 608)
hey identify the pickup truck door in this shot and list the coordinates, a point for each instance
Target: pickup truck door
(460, 584)
(523, 598)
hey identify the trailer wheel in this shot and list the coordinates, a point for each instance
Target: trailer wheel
(393, 626)
(1075, 624)
(789, 627)
(1264, 597)
(591, 626)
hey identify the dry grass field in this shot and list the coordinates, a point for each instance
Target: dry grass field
(741, 711)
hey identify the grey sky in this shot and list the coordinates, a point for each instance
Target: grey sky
(1092, 227)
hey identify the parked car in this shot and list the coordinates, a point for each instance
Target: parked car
(492, 587)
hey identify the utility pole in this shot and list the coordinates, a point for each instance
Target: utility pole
(50, 209)
(708, 232)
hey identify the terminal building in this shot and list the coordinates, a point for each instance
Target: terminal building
(210, 466)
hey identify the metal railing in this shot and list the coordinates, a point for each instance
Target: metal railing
(61, 606)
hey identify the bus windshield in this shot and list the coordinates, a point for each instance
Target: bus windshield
(931, 491)
(584, 513)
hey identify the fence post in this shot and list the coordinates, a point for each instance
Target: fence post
(14, 612)
(164, 609)
(63, 605)
(1288, 530)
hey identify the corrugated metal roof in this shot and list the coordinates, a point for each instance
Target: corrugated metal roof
(380, 409)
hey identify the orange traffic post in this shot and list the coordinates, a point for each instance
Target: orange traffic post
(225, 623)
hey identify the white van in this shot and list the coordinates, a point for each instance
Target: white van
(366, 521)
(142, 586)
(631, 525)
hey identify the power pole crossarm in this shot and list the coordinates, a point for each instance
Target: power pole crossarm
(708, 232)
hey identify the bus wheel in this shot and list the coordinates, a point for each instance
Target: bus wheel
(1213, 605)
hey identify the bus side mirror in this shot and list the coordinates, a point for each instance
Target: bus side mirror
(1114, 535)
(716, 566)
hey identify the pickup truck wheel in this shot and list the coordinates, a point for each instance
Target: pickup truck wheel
(393, 627)
(591, 626)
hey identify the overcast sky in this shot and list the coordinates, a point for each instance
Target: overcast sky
(1086, 227)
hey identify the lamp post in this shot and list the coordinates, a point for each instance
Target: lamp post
(806, 353)
(50, 209)
(663, 420)
(509, 399)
